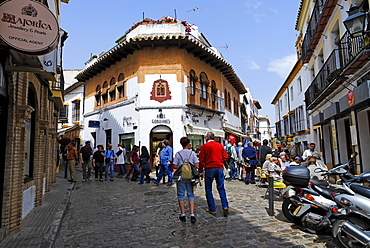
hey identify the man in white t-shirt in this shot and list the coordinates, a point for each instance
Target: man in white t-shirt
(120, 160)
(308, 153)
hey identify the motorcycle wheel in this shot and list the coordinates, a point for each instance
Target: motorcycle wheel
(312, 228)
(342, 239)
(288, 208)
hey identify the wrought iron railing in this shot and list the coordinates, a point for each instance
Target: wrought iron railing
(339, 59)
(203, 98)
(318, 9)
(328, 73)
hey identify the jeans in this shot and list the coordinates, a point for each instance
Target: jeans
(110, 166)
(86, 169)
(250, 173)
(144, 173)
(218, 175)
(122, 169)
(164, 168)
(240, 171)
(99, 170)
(233, 171)
(184, 185)
(65, 161)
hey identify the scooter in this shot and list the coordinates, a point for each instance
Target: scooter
(311, 205)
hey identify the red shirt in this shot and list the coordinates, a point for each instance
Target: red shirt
(212, 155)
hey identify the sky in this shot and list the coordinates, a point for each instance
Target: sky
(256, 37)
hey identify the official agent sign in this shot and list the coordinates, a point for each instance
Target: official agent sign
(28, 26)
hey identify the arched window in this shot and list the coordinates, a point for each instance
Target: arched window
(214, 91)
(204, 82)
(112, 89)
(228, 100)
(193, 79)
(225, 96)
(104, 94)
(121, 85)
(98, 95)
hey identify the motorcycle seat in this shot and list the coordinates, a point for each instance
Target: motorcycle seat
(319, 182)
(326, 192)
(362, 190)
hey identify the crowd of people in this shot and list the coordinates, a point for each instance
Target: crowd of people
(209, 162)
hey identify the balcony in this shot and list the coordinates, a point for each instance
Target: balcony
(319, 18)
(349, 58)
(204, 99)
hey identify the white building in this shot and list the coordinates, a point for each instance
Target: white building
(163, 80)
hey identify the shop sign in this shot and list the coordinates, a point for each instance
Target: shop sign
(160, 91)
(28, 26)
(126, 121)
(95, 124)
(351, 98)
(161, 119)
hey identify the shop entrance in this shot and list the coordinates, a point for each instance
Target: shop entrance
(157, 135)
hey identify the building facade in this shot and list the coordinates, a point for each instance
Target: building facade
(71, 115)
(163, 80)
(30, 98)
(292, 122)
(337, 98)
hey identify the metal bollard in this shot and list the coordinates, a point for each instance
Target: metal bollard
(271, 196)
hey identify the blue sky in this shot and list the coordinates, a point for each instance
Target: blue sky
(259, 35)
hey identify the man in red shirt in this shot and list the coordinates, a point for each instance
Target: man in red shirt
(212, 157)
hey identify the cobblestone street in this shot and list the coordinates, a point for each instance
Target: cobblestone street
(126, 214)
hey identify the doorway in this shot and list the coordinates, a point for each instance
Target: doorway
(157, 135)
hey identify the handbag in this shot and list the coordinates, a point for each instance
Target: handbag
(195, 172)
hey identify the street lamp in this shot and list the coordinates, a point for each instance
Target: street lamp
(356, 21)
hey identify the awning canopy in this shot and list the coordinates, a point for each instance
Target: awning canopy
(235, 132)
(203, 131)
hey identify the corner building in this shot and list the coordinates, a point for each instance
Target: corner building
(163, 80)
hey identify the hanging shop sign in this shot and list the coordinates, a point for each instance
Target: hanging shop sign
(94, 124)
(28, 26)
(351, 98)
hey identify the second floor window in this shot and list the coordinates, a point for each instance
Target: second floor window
(203, 91)
(105, 98)
(63, 114)
(76, 111)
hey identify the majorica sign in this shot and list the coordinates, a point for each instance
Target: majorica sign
(28, 26)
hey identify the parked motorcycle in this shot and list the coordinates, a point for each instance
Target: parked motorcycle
(312, 204)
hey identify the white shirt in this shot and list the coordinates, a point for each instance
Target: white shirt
(308, 153)
(121, 157)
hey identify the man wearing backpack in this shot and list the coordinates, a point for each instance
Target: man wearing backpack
(182, 158)
(212, 157)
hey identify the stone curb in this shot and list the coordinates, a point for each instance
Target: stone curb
(49, 238)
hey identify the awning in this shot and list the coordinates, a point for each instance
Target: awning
(235, 132)
(202, 131)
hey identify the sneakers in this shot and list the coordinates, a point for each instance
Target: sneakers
(111, 180)
(101, 180)
(226, 212)
(83, 180)
(169, 184)
(182, 218)
(155, 183)
(211, 212)
(193, 219)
